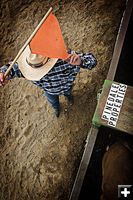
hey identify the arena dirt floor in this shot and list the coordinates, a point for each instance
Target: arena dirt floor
(40, 154)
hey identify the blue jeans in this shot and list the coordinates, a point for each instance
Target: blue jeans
(54, 99)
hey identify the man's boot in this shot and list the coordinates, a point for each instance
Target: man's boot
(57, 112)
(70, 100)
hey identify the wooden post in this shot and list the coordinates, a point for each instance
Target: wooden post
(28, 41)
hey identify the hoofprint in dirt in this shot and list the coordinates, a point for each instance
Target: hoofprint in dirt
(40, 154)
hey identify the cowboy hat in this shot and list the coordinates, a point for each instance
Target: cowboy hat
(34, 66)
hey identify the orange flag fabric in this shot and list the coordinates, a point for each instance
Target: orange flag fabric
(48, 40)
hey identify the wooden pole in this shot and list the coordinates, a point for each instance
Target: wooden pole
(28, 41)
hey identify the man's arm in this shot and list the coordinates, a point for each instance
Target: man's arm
(14, 72)
(88, 60)
(84, 60)
(74, 59)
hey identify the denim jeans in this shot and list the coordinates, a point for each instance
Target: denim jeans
(54, 99)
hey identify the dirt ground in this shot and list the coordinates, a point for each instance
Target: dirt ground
(40, 154)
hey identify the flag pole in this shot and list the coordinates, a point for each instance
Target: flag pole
(28, 41)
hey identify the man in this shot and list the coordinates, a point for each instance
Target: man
(54, 76)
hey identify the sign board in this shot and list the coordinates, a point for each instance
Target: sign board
(115, 107)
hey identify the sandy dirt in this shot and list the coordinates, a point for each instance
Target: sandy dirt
(40, 154)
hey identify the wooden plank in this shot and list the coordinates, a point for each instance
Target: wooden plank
(115, 107)
(120, 40)
(90, 141)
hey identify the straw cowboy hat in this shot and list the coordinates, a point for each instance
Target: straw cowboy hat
(34, 66)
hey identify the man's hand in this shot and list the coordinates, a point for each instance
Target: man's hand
(2, 79)
(74, 59)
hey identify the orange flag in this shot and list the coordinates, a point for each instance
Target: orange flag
(48, 40)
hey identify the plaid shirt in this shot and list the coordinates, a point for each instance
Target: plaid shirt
(60, 78)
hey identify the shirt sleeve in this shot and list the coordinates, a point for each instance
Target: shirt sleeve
(88, 60)
(14, 72)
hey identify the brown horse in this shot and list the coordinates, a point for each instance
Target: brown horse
(117, 169)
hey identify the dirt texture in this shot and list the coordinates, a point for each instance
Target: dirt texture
(40, 154)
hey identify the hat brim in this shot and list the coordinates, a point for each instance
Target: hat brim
(31, 73)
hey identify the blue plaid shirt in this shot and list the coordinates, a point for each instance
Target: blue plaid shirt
(60, 78)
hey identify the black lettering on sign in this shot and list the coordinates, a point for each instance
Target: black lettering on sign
(114, 103)
(118, 101)
(105, 117)
(112, 95)
(116, 109)
(111, 99)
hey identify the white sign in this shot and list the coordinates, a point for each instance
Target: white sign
(114, 103)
